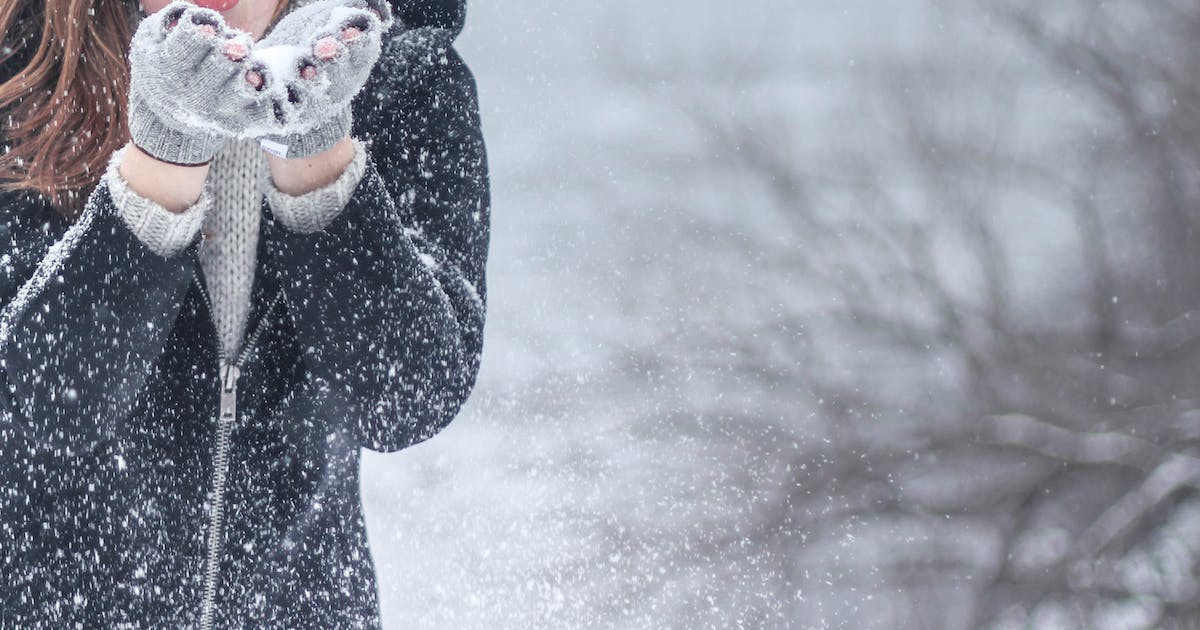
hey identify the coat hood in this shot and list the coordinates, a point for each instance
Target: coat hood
(447, 14)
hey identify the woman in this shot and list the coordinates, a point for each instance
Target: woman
(232, 254)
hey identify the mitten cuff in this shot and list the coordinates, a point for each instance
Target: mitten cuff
(166, 233)
(319, 139)
(177, 146)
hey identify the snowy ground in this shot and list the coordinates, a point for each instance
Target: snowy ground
(566, 493)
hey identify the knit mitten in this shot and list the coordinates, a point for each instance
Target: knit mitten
(320, 56)
(188, 93)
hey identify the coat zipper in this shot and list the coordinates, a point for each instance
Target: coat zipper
(228, 374)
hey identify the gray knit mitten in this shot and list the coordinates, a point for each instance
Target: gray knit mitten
(188, 93)
(320, 56)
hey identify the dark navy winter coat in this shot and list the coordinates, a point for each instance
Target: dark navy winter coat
(109, 389)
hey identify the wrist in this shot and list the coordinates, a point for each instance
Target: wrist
(297, 176)
(172, 186)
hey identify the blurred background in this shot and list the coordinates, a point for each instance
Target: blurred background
(810, 314)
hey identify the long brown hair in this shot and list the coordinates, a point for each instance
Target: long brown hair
(65, 107)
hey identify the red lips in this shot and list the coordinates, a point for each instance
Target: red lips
(217, 5)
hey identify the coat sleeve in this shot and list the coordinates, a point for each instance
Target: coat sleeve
(388, 299)
(86, 311)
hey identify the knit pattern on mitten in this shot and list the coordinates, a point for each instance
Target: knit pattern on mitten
(320, 56)
(188, 93)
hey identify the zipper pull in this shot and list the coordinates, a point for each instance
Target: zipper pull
(229, 379)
